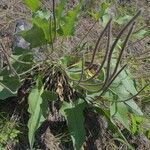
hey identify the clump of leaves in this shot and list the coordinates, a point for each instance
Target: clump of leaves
(109, 83)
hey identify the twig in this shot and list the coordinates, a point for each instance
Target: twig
(104, 89)
(86, 33)
(135, 94)
(82, 72)
(23, 73)
(97, 43)
(8, 62)
(51, 38)
(23, 62)
(113, 47)
(54, 17)
(7, 88)
(106, 54)
(122, 50)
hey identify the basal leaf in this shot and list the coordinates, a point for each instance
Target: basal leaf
(73, 112)
(36, 116)
(32, 4)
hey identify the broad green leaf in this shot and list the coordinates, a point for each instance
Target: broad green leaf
(69, 21)
(124, 82)
(73, 112)
(9, 85)
(124, 88)
(40, 33)
(35, 36)
(74, 75)
(120, 112)
(111, 96)
(36, 117)
(41, 20)
(22, 67)
(4, 93)
(47, 96)
(32, 4)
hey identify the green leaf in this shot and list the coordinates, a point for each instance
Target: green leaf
(124, 88)
(112, 125)
(41, 20)
(60, 10)
(120, 112)
(91, 86)
(69, 20)
(134, 107)
(44, 14)
(105, 19)
(140, 34)
(122, 20)
(36, 117)
(136, 123)
(125, 82)
(73, 112)
(95, 15)
(22, 67)
(102, 13)
(49, 95)
(39, 34)
(32, 4)
(9, 85)
(35, 36)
